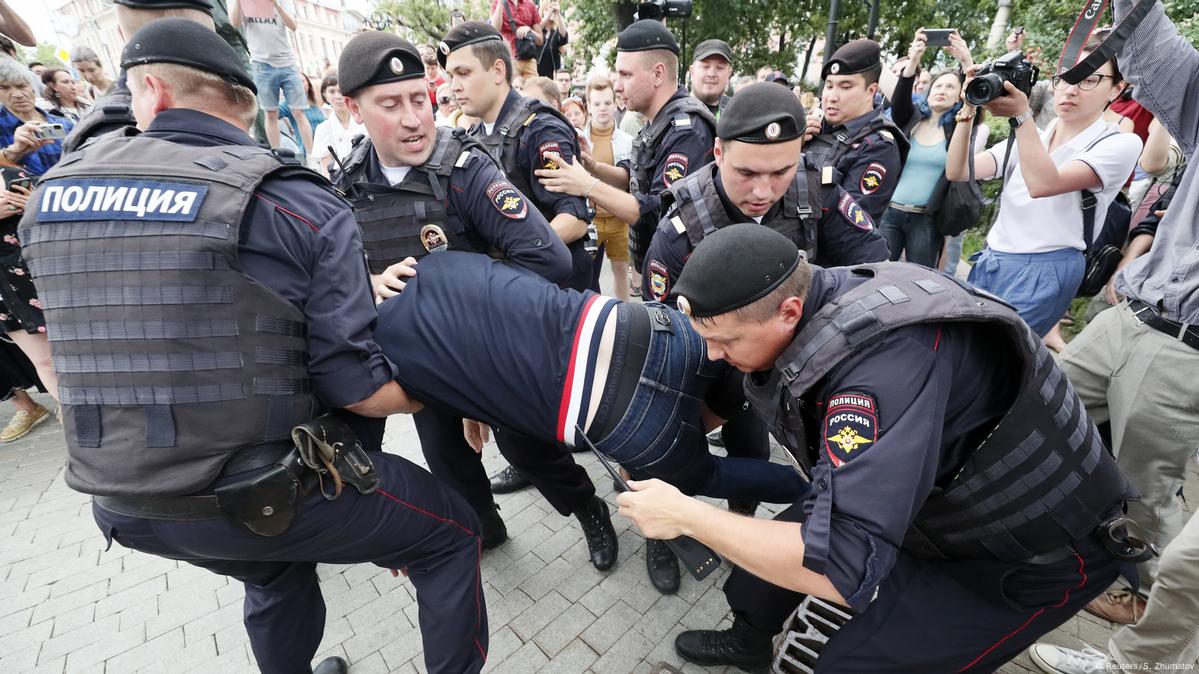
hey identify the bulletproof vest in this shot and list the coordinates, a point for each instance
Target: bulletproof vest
(409, 219)
(1040, 479)
(169, 357)
(503, 144)
(694, 204)
(829, 149)
(646, 149)
(111, 113)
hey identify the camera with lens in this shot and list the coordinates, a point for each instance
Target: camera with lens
(987, 84)
(664, 9)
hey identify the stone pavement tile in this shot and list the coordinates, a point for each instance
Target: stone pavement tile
(138, 613)
(113, 643)
(624, 655)
(87, 573)
(231, 638)
(577, 584)
(19, 661)
(527, 660)
(709, 610)
(612, 625)
(371, 664)
(545, 580)
(600, 598)
(191, 656)
(179, 607)
(72, 620)
(494, 561)
(167, 646)
(527, 537)
(137, 568)
(521, 570)
(204, 627)
(70, 601)
(502, 609)
(233, 593)
(564, 629)
(118, 601)
(34, 634)
(339, 604)
(370, 639)
(537, 616)
(662, 618)
(233, 661)
(404, 648)
(502, 643)
(382, 609)
(576, 657)
(14, 621)
(560, 541)
(336, 650)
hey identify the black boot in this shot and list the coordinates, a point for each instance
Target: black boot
(508, 480)
(662, 565)
(493, 530)
(597, 529)
(743, 506)
(715, 439)
(742, 645)
(332, 665)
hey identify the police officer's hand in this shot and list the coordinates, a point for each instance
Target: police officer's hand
(476, 433)
(568, 178)
(391, 282)
(815, 117)
(658, 509)
(1014, 103)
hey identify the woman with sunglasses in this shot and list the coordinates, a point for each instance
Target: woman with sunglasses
(1034, 254)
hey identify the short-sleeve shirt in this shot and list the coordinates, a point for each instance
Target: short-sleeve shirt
(1027, 225)
(266, 36)
(524, 12)
(330, 133)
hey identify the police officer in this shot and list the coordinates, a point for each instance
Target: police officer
(522, 133)
(112, 111)
(417, 189)
(754, 178)
(849, 141)
(677, 140)
(962, 502)
(206, 298)
(710, 72)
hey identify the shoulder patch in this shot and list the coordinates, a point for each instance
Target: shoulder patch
(675, 168)
(659, 283)
(507, 200)
(530, 119)
(119, 199)
(872, 178)
(853, 212)
(544, 149)
(850, 426)
(887, 135)
(679, 226)
(681, 122)
(462, 159)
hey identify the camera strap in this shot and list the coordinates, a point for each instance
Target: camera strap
(1074, 71)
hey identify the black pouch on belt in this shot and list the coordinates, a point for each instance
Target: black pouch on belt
(267, 504)
(329, 446)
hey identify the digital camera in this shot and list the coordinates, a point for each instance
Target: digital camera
(987, 84)
(664, 9)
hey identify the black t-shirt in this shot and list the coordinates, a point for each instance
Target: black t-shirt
(550, 58)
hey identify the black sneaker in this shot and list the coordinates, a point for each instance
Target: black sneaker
(662, 565)
(743, 506)
(493, 531)
(508, 480)
(597, 529)
(741, 646)
(332, 665)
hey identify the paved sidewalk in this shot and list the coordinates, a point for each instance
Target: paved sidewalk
(67, 605)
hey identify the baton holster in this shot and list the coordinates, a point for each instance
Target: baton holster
(266, 504)
(1121, 537)
(329, 447)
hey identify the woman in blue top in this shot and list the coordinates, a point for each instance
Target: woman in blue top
(20, 121)
(908, 223)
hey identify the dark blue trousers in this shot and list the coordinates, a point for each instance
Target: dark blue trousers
(548, 465)
(941, 616)
(412, 521)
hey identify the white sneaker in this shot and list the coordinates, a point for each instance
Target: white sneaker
(1058, 660)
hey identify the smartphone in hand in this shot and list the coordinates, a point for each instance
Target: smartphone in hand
(938, 37)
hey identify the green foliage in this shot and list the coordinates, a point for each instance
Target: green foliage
(427, 21)
(1048, 22)
(42, 53)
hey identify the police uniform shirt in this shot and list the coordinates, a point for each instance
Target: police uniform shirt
(871, 169)
(301, 241)
(543, 135)
(683, 151)
(505, 223)
(885, 427)
(845, 235)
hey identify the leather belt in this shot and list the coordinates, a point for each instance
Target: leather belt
(1183, 332)
(205, 506)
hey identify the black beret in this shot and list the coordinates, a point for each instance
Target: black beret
(645, 35)
(185, 43)
(763, 112)
(202, 5)
(466, 34)
(713, 48)
(713, 284)
(376, 57)
(853, 57)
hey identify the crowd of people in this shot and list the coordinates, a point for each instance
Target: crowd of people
(211, 238)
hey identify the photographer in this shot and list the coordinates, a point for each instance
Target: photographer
(519, 22)
(1034, 255)
(553, 30)
(909, 222)
(21, 122)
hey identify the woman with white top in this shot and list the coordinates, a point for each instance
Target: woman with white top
(338, 131)
(1034, 254)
